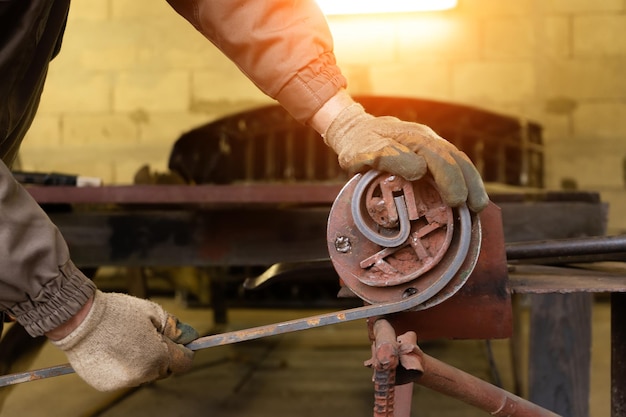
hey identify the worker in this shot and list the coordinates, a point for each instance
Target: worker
(285, 47)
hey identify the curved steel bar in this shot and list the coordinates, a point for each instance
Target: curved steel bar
(403, 215)
(465, 238)
(306, 323)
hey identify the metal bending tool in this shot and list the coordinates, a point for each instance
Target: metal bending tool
(393, 243)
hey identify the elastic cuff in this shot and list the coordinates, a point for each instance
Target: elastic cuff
(61, 299)
(307, 92)
(90, 322)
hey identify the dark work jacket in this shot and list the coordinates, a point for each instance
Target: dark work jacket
(35, 269)
(30, 36)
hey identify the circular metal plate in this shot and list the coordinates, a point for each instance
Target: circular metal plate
(433, 262)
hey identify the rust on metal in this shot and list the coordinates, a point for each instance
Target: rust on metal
(435, 260)
(388, 352)
(268, 193)
(481, 309)
(36, 375)
(384, 361)
(474, 391)
(427, 240)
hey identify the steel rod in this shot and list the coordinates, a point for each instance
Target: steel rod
(36, 375)
(599, 245)
(247, 334)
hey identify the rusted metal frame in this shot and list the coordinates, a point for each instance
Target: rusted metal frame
(388, 353)
(481, 309)
(429, 372)
(259, 193)
(474, 391)
(384, 361)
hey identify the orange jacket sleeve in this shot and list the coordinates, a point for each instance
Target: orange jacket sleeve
(283, 46)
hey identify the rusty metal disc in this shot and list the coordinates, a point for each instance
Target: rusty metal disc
(389, 238)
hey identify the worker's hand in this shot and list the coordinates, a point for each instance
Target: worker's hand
(126, 341)
(406, 149)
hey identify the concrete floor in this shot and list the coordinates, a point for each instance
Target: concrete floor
(309, 373)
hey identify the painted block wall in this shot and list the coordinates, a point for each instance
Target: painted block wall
(133, 75)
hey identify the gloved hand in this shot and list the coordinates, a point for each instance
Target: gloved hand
(125, 341)
(406, 149)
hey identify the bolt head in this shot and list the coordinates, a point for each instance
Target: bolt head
(342, 244)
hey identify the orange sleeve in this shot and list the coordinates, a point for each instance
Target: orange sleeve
(284, 47)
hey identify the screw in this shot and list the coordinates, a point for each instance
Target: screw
(342, 244)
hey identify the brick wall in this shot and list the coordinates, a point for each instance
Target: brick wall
(133, 75)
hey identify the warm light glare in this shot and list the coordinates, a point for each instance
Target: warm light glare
(344, 7)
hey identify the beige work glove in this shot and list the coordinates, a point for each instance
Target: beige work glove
(406, 149)
(126, 341)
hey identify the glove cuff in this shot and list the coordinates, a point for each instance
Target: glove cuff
(348, 118)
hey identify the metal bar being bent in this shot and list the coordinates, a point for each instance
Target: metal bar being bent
(246, 334)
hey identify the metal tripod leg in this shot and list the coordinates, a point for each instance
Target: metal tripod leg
(441, 377)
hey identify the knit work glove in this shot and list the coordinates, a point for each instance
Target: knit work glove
(406, 149)
(126, 341)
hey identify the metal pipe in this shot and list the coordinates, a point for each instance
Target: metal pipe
(576, 247)
(403, 398)
(455, 383)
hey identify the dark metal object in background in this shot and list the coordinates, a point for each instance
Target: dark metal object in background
(267, 145)
(183, 195)
(39, 178)
(572, 250)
